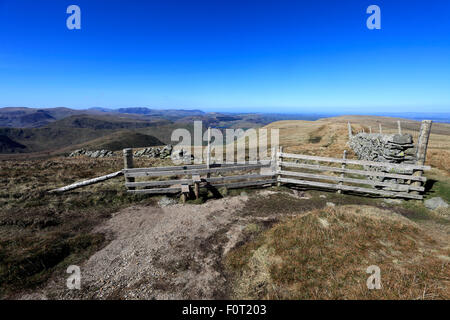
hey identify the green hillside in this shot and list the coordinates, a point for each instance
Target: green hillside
(121, 140)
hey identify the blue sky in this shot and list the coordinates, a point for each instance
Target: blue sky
(265, 56)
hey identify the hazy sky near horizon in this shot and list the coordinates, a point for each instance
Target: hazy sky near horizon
(227, 55)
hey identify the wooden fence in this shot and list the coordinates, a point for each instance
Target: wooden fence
(300, 170)
(366, 177)
(189, 177)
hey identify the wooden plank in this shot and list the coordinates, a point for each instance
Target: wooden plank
(130, 173)
(157, 191)
(244, 183)
(158, 183)
(351, 188)
(228, 178)
(194, 166)
(354, 171)
(191, 181)
(86, 182)
(228, 185)
(399, 187)
(185, 188)
(171, 168)
(358, 162)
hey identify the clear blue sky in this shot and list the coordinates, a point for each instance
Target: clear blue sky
(227, 55)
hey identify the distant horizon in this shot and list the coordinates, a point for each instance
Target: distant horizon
(228, 55)
(443, 117)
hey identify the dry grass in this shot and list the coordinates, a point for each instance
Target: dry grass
(324, 253)
(329, 136)
(40, 232)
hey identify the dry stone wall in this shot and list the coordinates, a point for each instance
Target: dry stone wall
(392, 148)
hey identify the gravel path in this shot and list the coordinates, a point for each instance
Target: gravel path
(172, 252)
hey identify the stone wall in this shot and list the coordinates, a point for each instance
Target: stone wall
(92, 153)
(393, 148)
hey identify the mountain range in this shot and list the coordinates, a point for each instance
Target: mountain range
(57, 130)
(24, 130)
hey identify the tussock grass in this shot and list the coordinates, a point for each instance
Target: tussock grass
(41, 232)
(324, 253)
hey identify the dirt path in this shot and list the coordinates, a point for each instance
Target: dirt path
(172, 252)
(176, 252)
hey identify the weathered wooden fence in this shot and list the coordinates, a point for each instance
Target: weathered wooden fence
(298, 169)
(187, 179)
(366, 177)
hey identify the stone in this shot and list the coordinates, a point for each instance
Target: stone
(223, 191)
(402, 138)
(330, 204)
(324, 222)
(166, 201)
(391, 148)
(436, 202)
(392, 201)
(301, 194)
(95, 154)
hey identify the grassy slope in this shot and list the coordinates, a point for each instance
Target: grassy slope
(122, 139)
(69, 132)
(41, 233)
(324, 253)
(299, 258)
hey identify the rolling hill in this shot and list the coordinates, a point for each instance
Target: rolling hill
(10, 146)
(121, 140)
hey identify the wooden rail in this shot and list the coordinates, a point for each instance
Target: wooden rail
(394, 186)
(86, 182)
(183, 185)
(358, 162)
(391, 189)
(353, 171)
(231, 185)
(274, 171)
(351, 188)
(143, 172)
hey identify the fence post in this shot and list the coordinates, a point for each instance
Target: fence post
(196, 179)
(370, 129)
(208, 150)
(399, 127)
(422, 145)
(279, 159)
(381, 131)
(273, 161)
(350, 134)
(185, 190)
(128, 164)
(344, 156)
